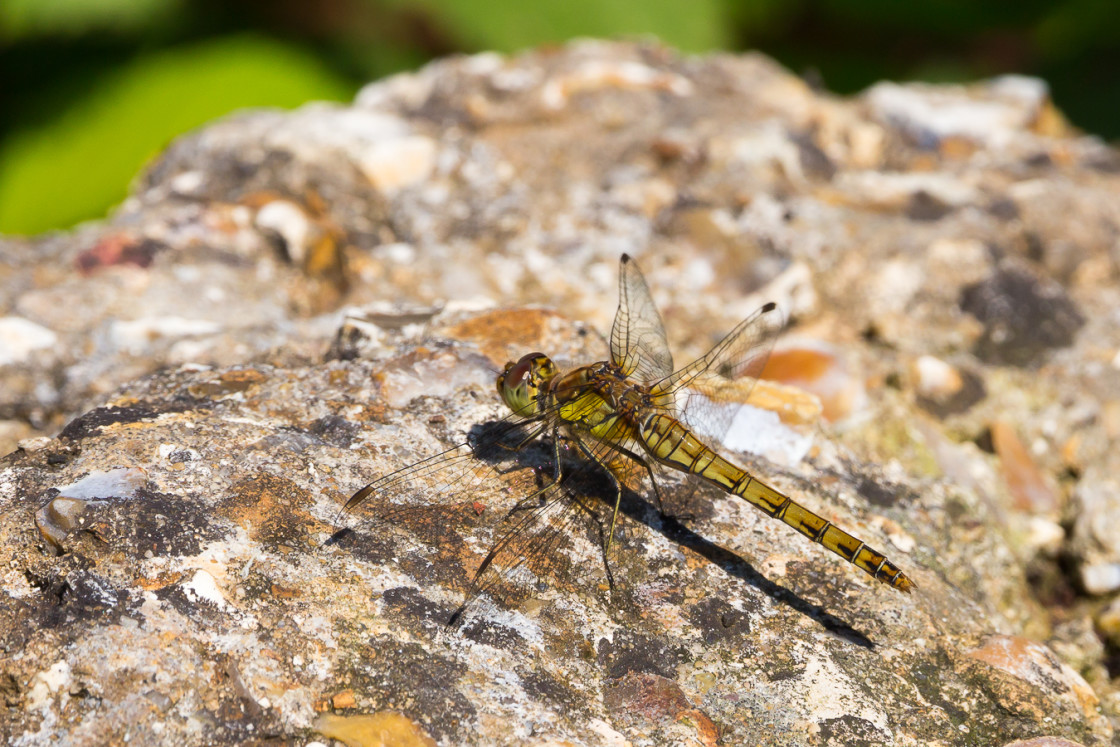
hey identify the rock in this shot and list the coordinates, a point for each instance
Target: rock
(20, 337)
(1000, 109)
(1095, 541)
(1022, 315)
(1031, 662)
(818, 368)
(291, 304)
(943, 389)
(1028, 486)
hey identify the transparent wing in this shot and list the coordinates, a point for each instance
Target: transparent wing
(739, 357)
(470, 488)
(443, 500)
(638, 344)
(542, 541)
(441, 479)
(545, 536)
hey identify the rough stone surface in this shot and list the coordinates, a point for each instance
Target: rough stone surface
(293, 303)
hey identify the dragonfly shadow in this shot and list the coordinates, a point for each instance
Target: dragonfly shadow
(338, 537)
(515, 442)
(509, 446)
(672, 529)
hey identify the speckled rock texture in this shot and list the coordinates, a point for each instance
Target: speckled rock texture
(293, 303)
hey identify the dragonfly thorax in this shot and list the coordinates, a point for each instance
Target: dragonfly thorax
(522, 383)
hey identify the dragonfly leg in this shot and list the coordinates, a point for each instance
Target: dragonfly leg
(619, 483)
(649, 471)
(652, 481)
(614, 516)
(607, 567)
(525, 502)
(648, 466)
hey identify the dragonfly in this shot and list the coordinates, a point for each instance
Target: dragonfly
(629, 418)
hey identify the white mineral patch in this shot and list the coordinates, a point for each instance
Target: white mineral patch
(188, 182)
(792, 290)
(46, 683)
(897, 283)
(188, 454)
(947, 111)
(936, 378)
(965, 258)
(152, 609)
(1045, 534)
(762, 432)
(290, 222)
(137, 335)
(15, 584)
(392, 165)
(20, 337)
(8, 484)
(832, 695)
(1098, 495)
(215, 557)
(767, 144)
(483, 63)
(515, 80)
(317, 626)
(607, 733)
(1028, 91)
(899, 538)
(438, 376)
(596, 74)
(202, 587)
(36, 443)
(527, 627)
(895, 188)
(188, 351)
(1101, 578)
(399, 252)
(116, 483)
(403, 91)
(311, 130)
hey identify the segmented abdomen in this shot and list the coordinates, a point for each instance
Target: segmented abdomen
(671, 443)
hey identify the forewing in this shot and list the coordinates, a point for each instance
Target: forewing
(740, 356)
(447, 477)
(638, 344)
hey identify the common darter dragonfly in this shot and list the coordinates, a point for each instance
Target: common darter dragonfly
(625, 418)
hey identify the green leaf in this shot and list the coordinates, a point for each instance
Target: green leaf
(78, 166)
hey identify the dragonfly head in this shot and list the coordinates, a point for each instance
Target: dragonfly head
(521, 383)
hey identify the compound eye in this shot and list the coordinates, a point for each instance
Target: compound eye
(516, 373)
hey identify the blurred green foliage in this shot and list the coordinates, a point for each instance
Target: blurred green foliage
(94, 88)
(19, 18)
(510, 25)
(81, 162)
